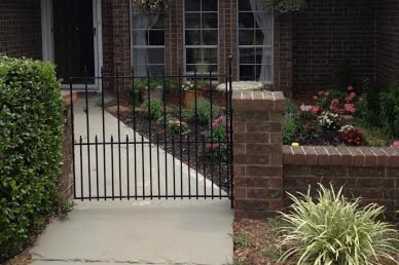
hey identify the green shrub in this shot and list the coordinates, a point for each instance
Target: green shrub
(332, 230)
(390, 110)
(219, 134)
(30, 149)
(153, 109)
(202, 113)
(368, 108)
(291, 123)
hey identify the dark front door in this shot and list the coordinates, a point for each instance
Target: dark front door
(73, 37)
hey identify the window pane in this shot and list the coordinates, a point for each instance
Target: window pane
(247, 37)
(193, 55)
(246, 20)
(247, 55)
(209, 5)
(161, 23)
(259, 37)
(247, 72)
(193, 37)
(210, 20)
(140, 37)
(264, 56)
(156, 70)
(210, 55)
(210, 37)
(193, 20)
(155, 56)
(192, 5)
(244, 5)
(156, 37)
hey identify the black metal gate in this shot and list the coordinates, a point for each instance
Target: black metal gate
(151, 137)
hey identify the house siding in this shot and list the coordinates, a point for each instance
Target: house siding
(387, 41)
(326, 35)
(20, 28)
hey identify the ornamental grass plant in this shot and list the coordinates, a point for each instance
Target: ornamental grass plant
(333, 230)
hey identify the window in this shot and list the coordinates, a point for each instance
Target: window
(201, 36)
(255, 29)
(148, 35)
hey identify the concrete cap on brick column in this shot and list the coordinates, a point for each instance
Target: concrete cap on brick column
(259, 101)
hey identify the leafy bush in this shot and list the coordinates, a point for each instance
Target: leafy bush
(390, 110)
(351, 135)
(204, 111)
(333, 230)
(30, 149)
(291, 124)
(368, 108)
(218, 132)
(153, 109)
(176, 126)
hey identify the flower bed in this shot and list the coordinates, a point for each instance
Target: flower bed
(355, 116)
(193, 131)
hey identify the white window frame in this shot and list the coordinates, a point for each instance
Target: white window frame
(254, 46)
(133, 46)
(216, 46)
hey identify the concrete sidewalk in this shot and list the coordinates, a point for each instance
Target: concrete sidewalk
(136, 232)
(156, 232)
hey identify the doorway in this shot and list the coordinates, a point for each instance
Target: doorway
(72, 39)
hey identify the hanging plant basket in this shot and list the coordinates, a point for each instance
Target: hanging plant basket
(286, 6)
(150, 6)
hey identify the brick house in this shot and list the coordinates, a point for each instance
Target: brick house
(291, 52)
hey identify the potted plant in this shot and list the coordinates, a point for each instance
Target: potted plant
(189, 93)
(150, 6)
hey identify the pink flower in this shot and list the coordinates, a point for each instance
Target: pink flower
(350, 88)
(321, 93)
(350, 97)
(334, 106)
(315, 97)
(212, 147)
(217, 122)
(350, 108)
(315, 109)
(395, 144)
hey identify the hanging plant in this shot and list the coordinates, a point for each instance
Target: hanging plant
(150, 5)
(286, 6)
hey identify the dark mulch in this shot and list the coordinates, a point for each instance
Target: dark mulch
(255, 243)
(192, 147)
(24, 258)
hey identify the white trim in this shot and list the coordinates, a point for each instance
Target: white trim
(47, 30)
(48, 53)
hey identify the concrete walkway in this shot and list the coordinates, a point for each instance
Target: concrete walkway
(136, 232)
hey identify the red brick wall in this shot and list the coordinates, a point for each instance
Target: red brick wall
(387, 41)
(326, 34)
(174, 39)
(257, 153)
(370, 173)
(108, 59)
(283, 53)
(20, 28)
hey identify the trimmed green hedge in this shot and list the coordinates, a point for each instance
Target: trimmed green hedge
(30, 149)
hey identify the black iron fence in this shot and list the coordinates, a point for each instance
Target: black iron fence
(152, 138)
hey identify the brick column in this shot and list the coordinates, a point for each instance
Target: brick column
(121, 36)
(258, 159)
